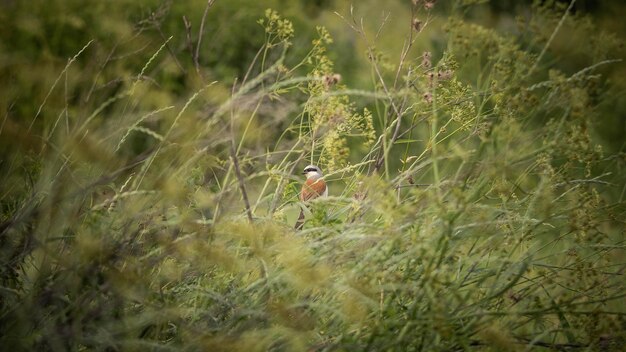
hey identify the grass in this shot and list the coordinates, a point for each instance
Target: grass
(471, 207)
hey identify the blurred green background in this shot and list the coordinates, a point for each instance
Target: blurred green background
(37, 38)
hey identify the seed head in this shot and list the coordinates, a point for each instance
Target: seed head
(331, 79)
(417, 25)
(426, 63)
(444, 75)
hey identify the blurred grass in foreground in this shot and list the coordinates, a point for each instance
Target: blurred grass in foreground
(471, 206)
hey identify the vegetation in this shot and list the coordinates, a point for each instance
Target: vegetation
(151, 153)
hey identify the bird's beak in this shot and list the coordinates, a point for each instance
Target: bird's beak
(304, 172)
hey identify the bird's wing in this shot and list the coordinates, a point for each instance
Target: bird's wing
(312, 189)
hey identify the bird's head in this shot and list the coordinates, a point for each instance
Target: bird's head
(312, 171)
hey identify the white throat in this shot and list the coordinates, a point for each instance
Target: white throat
(313, 175)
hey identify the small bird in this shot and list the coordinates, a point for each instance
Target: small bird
(313, 187)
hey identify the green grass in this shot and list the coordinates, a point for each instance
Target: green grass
(472, 205)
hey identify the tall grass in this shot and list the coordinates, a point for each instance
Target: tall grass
(470, 208)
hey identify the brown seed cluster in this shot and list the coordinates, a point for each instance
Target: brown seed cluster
(417, 25)
(428, 96)
(428, 4)
(426, 60)
(331, 79)
(444, 75)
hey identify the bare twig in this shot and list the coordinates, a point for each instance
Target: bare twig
(592, 180)
(233, 155)
(188, 36)
(556, 30)
(196, 55)
(169, 49)
(414, 185)
(242, 185)
(256, 57)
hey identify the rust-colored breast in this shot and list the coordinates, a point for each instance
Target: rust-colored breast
(312, 189)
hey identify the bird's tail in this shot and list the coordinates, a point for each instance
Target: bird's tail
(300, 221)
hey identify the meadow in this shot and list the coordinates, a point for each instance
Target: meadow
(151, 157)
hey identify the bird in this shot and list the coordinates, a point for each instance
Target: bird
(312, 188)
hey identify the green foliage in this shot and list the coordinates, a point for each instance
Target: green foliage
(150, 181)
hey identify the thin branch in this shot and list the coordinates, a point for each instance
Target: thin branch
(196, 56)
(242, 185)
(154, 19)
(414, 185)
(233, 155)
(556, 30)
(188, 39)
